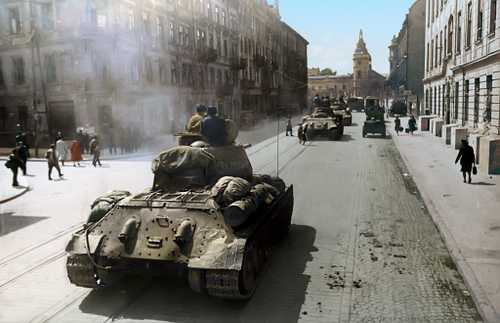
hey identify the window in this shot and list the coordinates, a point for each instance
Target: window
(427, 60)
(458, 42)
(457, 93)
(465, 112)
(3, 118)
(102, 21)
(14, 21)
(480, 10)
(22, 116)
(432, 55)
(477, 92)
(450, 36)
(131, 20)
(2, 80)
(468, 36)
(440, 47)
(149, 69)
(493, 16)
(171, 32)
(46, 16)
(18, 70)
(489, 98)
(134, 71)
(50, 68)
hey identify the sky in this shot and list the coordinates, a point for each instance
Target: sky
(332, 29)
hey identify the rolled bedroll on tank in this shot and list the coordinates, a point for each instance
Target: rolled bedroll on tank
(207, 218)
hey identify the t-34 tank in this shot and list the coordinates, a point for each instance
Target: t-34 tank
(207, 218)
(323, 123)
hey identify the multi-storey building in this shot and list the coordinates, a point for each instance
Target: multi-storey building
(407, 56)
(142, 64)
(462, 64)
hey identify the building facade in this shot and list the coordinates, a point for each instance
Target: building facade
(331, 85)
(462, 63)
(407, 59)
(462, 72)
(112, 66)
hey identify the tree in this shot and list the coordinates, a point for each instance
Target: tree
(327, 71)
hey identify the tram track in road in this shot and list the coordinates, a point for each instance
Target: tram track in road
(34, 257)
(7, 259)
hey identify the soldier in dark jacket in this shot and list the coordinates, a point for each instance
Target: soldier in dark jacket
(213, 128)
(467, 159)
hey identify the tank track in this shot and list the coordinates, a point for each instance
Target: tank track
(81, 271)
(224, 284)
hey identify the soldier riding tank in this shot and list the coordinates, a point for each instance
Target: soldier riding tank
(217, 237)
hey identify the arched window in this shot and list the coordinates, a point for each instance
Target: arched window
(450, 36)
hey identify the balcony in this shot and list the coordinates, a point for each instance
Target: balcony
(206, 55)
(238, 63)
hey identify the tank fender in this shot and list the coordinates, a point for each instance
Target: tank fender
(78, 244)
(221, 255)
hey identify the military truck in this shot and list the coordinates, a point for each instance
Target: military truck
(375, 122)
(207, 218)
(323, 122)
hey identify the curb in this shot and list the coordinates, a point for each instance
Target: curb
(483, 304)
(27, 188)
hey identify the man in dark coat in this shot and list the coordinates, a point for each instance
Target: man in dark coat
(14, 163)
(467, 159)
(23, 153)
(213, 128)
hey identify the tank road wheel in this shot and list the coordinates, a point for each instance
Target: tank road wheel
(234, 284)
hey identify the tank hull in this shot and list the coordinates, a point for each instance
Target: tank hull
(216, 260)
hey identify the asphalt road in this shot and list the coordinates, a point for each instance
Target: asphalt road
(362, 247)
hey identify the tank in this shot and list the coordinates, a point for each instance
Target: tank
(181, 227)
(323, 122)
(339, 108)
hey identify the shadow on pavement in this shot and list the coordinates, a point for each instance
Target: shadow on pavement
(9, 222)
(347, 137)
(279, 296)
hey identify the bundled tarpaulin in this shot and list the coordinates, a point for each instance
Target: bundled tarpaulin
(229, 189)
(103, 204)
(180, 159)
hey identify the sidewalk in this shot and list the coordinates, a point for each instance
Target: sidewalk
(7, 192)
(467, 216)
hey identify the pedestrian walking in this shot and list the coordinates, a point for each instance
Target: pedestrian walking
(76, 153)
(23, 154)
(467, 160)
(62, 150)
(95, 150)
(14, 163)
(397, 125)
(53, 161)
(412, 124)
(289, 128)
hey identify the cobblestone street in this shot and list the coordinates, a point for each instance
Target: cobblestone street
(362, 247)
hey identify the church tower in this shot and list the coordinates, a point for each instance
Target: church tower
(362, 66)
